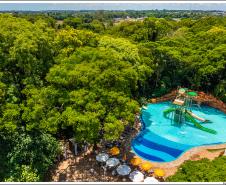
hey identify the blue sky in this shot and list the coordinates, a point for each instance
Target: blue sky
(112, 6)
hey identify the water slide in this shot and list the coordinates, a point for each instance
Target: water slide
(167, 111)
(196, 117)
(189, 118)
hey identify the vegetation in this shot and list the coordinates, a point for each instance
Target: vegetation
(201, 171)
(85, 77)
(26, 156)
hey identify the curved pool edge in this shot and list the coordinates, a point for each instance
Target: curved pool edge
(186, 155)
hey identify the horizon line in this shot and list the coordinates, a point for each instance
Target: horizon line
(114, 10)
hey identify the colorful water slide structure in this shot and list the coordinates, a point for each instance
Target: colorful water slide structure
(180, 111)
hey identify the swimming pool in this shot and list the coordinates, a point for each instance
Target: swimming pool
(160, 141)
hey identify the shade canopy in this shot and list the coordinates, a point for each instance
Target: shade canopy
(102, 157)
(136, 176)
(150, 180)
(123, 170)
(182, 90)
(146, 166)
(112, 162)
(114, 151)
(159, 172)
(192, 94)
(135, 161)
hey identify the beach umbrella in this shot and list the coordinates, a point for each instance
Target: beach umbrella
(111, 162)
(136, 161)
(123, 169)
(136, 176)
(102, 157)
(114, 151)
(150, 179)
(159, 172)
(146, 166)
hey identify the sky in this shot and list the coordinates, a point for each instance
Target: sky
(111, 6)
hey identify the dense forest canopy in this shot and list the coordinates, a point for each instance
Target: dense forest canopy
(84, 76)
(111, 14)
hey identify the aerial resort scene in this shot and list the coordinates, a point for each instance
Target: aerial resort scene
(115, 92)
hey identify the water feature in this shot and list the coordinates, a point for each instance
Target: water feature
(160, 141)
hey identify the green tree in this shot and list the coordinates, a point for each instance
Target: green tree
(201, 171)
(23, 174)
(38, 151)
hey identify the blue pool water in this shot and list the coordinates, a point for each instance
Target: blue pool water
(160, 141)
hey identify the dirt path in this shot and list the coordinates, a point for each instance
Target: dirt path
(81, 168)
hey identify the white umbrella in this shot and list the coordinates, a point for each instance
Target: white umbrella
(150, 180)
(136, 176)
(102, 157)
(111, 162)
(123, 169)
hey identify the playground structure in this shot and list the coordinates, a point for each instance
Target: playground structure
(181, 111)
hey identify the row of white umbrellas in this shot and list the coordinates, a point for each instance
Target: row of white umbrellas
(135, 176)
(112, 162)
